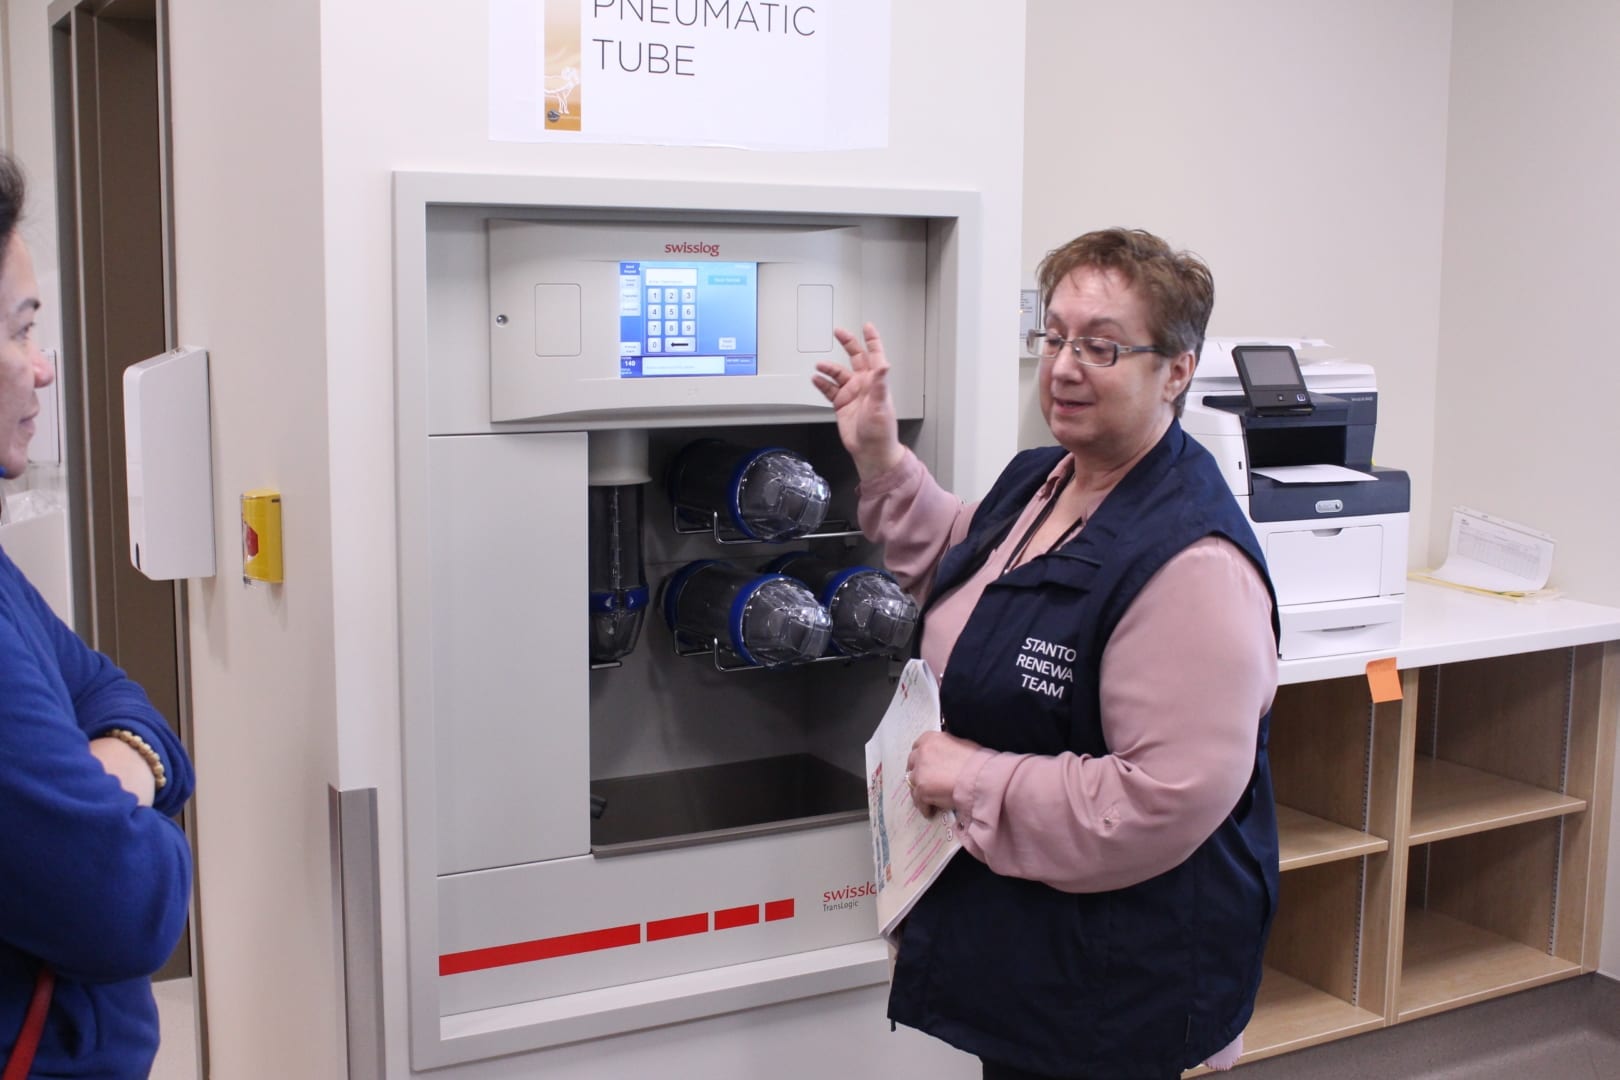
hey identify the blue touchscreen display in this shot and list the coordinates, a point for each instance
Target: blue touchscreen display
(679, 319)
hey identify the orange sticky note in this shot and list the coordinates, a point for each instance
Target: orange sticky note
(1383, 681)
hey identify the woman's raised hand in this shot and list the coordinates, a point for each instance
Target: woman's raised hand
(860, 398)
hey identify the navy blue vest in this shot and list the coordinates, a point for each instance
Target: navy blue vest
(1142, 981)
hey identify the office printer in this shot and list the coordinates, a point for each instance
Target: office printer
(1299, 460)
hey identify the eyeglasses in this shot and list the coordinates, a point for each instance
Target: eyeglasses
(1090, 351)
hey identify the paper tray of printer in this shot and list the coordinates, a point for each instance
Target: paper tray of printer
(1341, 626)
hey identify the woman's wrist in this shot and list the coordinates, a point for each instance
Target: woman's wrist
(153, 760)
(870, 466)
(126, 765)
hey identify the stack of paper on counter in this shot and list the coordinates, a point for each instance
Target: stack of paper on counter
(908, 849)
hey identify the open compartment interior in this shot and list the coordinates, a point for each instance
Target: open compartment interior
(1481, 917)
(689, 746)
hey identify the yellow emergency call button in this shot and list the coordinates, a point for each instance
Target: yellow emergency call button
(261, 535)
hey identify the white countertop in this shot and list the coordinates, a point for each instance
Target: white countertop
(1443, 626)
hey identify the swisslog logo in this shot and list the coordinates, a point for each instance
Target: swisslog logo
(687, 247)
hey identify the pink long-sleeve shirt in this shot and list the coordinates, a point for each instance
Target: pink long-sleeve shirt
(1186, 676)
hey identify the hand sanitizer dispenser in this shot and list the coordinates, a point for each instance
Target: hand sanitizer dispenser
(169, 456)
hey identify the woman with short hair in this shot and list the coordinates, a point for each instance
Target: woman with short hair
(1104, 631)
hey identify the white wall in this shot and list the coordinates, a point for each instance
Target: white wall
(1532, 231)
(246, 86)
(1298, 147)
(1532, 236)
(404, 88)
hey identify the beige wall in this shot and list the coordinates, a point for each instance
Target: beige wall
(1298, 147)
(246, 85)
(1532, 231)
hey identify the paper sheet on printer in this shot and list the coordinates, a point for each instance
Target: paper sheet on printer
(1313, 474)
(1493, 554)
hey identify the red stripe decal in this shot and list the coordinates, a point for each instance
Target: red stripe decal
(660, 929)
(778, 909)
(736, 916)
(543, 949)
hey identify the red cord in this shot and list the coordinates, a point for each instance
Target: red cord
(22, 1054)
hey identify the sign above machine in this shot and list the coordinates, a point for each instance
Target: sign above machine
(691, 73)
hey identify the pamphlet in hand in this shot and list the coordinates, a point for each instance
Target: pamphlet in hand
(909, 850)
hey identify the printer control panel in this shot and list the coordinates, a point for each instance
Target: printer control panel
(1272, 381)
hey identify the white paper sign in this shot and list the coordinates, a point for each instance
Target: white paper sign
(785, 75)
(1495, 554)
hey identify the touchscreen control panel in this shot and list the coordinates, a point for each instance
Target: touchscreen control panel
(688, 318)
(1271, 379)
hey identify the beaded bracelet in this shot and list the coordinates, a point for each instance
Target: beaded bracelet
(143, 748)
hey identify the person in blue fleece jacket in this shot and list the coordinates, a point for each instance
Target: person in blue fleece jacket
(94, 876)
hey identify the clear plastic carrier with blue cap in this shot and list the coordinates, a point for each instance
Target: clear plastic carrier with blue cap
(871, 614)
(759, 493)
(763, 619)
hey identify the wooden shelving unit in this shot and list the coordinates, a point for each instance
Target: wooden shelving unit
(1448, 963)
(1453, 800)
(1448, 847)
(1306, 840)
(1291, 1015)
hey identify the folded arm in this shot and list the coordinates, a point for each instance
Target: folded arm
(104, 698)
(96, 884)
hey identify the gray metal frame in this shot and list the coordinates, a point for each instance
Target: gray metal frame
(955, 240)
(355, 877)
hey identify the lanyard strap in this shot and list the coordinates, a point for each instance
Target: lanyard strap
(1040, 519)
(22, 1054)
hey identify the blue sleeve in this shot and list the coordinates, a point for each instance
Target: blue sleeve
(105, 698)
(94, 884)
